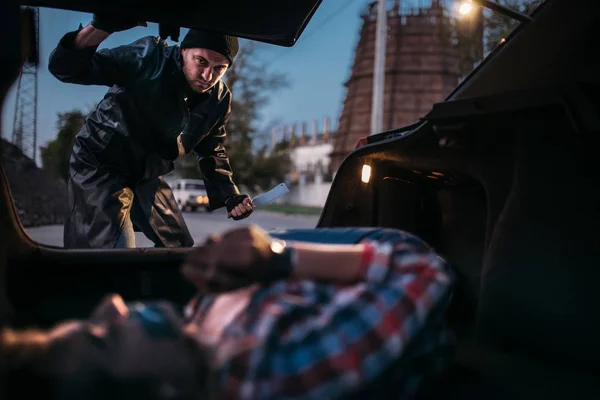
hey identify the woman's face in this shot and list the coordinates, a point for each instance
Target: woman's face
(145, 342)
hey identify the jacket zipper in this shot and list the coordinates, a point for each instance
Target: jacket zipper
(187, 114)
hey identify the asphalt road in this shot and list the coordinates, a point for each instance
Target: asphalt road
(200, 224)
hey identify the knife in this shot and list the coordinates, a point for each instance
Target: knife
(270, 196)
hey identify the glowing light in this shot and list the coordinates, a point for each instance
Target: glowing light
(366, 174)
(277, 246)
(465, 8)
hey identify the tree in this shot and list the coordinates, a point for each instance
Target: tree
(187, 167)
(56, 153)
(271, 167)
(251, 84)
(498, 26)
(482, 31)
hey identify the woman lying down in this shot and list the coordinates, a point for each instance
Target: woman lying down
(272, 320)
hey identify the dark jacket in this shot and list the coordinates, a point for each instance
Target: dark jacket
(130, 141)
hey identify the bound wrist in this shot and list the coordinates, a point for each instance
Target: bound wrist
(283, 260)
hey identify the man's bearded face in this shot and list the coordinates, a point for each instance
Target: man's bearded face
(203, 68)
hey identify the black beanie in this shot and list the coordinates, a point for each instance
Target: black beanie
(223, 44)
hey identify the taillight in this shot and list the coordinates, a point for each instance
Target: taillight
(361, 142)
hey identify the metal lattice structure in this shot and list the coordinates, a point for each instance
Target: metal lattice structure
(25, 120)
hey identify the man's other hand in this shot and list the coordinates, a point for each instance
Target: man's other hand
(239, 207)
(112, 23)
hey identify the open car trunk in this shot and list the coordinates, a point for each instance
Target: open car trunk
(270, 21)
(501, 179)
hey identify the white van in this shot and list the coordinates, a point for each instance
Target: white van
(190, 194)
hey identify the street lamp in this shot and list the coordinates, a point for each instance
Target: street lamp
(465, 8)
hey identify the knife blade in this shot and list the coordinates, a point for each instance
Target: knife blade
(270, 196)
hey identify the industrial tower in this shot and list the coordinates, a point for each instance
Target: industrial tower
(25, 120)
(420, 70)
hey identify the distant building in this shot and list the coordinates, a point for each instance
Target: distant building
(312, 160)
(310, 177)
(310, 152)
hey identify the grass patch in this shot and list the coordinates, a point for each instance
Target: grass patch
(293, 210)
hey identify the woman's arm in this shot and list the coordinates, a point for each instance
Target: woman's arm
(249, 255)
(329, 262)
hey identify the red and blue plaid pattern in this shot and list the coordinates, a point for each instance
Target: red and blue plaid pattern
(318, 340)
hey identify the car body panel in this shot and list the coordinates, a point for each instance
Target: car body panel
(270, 21)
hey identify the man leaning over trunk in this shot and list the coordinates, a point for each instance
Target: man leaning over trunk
(163, 103)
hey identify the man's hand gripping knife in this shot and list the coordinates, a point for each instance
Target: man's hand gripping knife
(239, 206)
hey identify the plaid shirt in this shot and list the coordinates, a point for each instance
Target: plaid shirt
(318, 340)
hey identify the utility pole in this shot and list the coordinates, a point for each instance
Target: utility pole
(24, 134)
(379, 68)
